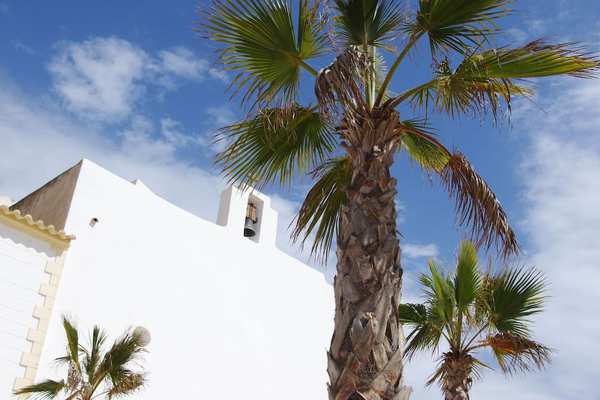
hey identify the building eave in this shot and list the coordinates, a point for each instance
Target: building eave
(49, 231)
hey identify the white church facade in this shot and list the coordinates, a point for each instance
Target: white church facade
(231, 316)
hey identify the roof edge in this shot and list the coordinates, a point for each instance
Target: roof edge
(38, 225)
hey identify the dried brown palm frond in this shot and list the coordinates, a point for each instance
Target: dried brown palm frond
(478, 207)
(339, 85)
(517, 353)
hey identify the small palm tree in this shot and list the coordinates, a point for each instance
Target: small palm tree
(469, 312)
(93, 372)
(349, 133)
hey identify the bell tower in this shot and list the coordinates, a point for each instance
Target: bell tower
(248, 214)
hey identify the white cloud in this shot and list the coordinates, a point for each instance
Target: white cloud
(22, 47)
(104, 79)
(172, 132)
(182, 62)
(413, 250)
(100, 77)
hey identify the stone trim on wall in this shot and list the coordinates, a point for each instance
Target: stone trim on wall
(42, 312)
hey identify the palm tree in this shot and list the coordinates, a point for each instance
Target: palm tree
(350, 133)
(94, 372)
(470, 312)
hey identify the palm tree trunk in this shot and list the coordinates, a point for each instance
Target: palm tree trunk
(457, 382)
(365, 357)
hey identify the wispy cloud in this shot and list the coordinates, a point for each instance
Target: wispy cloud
(22, 47)
(414, 251)
(103, 79)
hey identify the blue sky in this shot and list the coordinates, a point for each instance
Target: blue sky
(132, 87)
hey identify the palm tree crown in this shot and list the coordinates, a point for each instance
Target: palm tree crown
(469, 311)
(95, 371)
(270, 44)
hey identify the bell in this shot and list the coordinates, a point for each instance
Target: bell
(249, 228)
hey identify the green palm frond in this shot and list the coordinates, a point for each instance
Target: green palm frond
(320, 212)
(422, 146)
(426, 331)
(534, 60)
(93, 356)
(275, 145)
(516, 295)
(262, 45)
(72, 343)
(369, 22)
(467, 279)
(458, 24)
(48, 389)
(441, 295)
(516, 353)
(478, 207)
(125, 350)
(487, 80)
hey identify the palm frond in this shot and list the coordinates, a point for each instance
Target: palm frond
(441, 298)
(534, 60)
(125, 384)
(263, 47)
(515, 295)
(126, 349)
(516, 353)
(489, 79)
(426, 331)
(422, 146)
(274, 145)
(464, 91)
(72, 342)
(320, 212)
(92, 357)
(478, 207)
(458, 24)
(48, 389)
(369, 22)
(339, 86)
(467, 279)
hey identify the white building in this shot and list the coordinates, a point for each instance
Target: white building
(231, 317)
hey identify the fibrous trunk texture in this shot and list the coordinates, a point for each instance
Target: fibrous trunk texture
(457, 381)
(365, 358)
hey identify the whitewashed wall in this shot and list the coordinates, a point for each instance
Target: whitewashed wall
(229, 318)
(23, 259)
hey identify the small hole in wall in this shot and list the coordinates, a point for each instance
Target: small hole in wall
(94, 221)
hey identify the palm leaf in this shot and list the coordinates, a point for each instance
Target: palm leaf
(441, 294)
(72, 343)
(534, 60)
(478, 207)
(515, 295)
(48, 389)
(467, 279)
(320, 212)
(126, 349)
(125, 384)
(368, 22)
(92, 357)
(339, 86)
(516, 353)
(488, 79)
(275, 145)
(263, 47)
(458, 24)
(422, 146)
